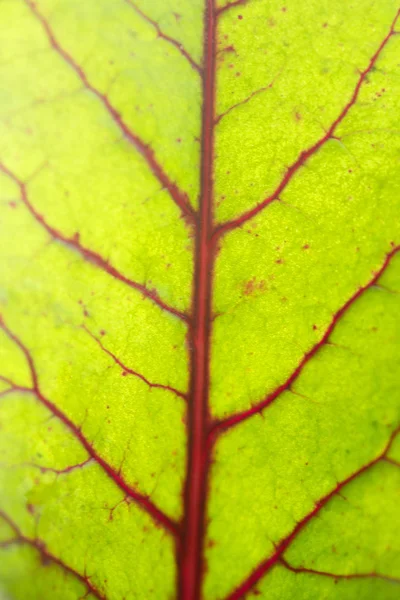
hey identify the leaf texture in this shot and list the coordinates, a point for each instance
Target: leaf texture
(199, 296)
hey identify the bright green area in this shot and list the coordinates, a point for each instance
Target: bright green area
(19, 578)
(284, 584)
(84, 176)
(343, 545)
(290, 268)
(278, 280)
(337, 417)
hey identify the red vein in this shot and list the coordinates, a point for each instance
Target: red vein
(13, 386)
(191, 550)
(47, 556)
(63, 471)
(5, 380)
(305, 155)
(179, 197)
(90, 255)
(166, 37)
(392, 461)
(11, 335)
(131, 371)
(230, 5)
(237, 418)
(140, 499)
(7, 392)
(371, 575)
(248, 584)
(245, 101)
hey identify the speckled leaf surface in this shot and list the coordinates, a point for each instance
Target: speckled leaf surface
(200, 299)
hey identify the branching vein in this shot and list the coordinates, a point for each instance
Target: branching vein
(179, 197)
(248, 584)
(238, 418)
(46, 556)
(305, 155)
(337, 576)
(140, 499)
(90, 255)
(162, 35)
(130, 371)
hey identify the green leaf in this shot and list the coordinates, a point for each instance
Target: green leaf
(200, 283)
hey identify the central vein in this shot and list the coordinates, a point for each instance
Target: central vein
(191, 547)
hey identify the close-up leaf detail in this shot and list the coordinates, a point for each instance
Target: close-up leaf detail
(199, 299)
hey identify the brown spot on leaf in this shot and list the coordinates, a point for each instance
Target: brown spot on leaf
(253, 286)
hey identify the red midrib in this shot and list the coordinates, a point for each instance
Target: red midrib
(191, 548)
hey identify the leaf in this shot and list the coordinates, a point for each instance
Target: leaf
(199, 297)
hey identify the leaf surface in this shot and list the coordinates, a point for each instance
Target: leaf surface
(199, 340)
